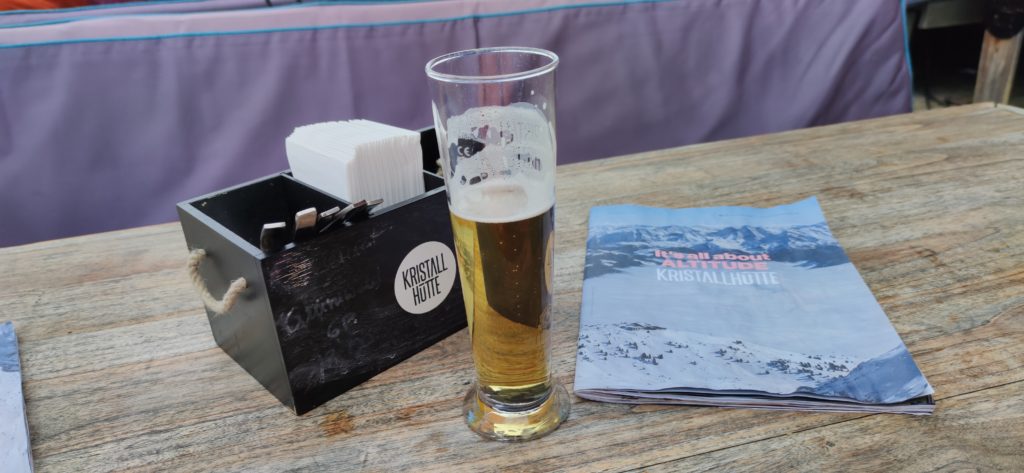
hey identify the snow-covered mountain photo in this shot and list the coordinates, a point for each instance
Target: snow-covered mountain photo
(812, 329)
(612, 248)
(659, 357)
(662, 359)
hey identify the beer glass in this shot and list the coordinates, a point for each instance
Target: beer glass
(494, 113)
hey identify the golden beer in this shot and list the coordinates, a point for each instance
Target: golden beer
(506, 282)
(494, 117)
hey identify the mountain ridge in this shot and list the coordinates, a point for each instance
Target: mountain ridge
(612, 248)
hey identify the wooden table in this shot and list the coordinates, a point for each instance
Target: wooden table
(122, 372)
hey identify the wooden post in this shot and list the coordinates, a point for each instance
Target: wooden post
(996, 68)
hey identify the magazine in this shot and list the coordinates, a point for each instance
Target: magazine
(735, 307)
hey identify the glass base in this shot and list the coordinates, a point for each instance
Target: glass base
(516, 426)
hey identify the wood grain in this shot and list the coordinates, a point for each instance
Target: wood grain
(122, 373)
(996, 68)
(971, 434)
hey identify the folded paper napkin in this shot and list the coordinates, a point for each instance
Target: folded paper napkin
(358, 159)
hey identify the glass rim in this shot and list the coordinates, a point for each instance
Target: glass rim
(476, 79)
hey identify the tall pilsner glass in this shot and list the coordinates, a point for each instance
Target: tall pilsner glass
(494, 112)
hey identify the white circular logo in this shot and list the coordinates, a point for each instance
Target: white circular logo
(425, 277)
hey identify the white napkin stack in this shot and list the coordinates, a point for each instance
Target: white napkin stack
(357, 160)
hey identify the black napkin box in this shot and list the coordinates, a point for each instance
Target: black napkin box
(325, 314)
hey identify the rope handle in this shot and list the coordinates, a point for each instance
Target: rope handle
(225, 303)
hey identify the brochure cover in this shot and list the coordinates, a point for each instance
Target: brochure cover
(735, 307)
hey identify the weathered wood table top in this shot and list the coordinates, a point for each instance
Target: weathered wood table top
(121, 372)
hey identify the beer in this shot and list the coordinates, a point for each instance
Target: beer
(494, 114)
(503, 239)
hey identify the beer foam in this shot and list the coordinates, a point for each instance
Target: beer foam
(503, 200)
(487, 141)
(501, 165)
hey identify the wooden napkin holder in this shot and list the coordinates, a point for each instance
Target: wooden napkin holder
(318, 318)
